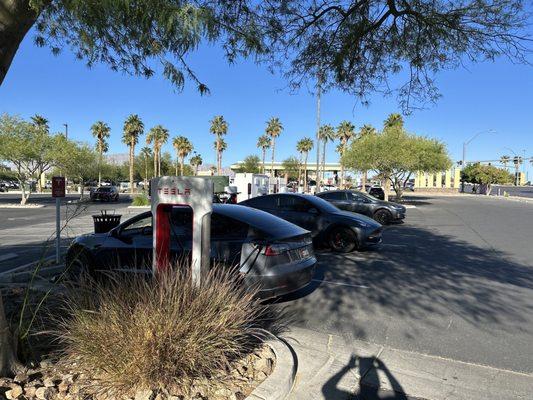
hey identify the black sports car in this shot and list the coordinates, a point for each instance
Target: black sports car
(105, 193)
(384, 212)
(269, 252)
(340, 230)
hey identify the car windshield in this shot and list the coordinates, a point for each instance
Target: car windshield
(107, 189)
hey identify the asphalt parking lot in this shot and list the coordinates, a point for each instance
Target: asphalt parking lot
(455, 280)
(28, 234)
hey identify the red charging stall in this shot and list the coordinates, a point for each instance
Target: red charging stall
(193, 192)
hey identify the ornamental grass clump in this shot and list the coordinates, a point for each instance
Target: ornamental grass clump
(130, 332)
(140, 200)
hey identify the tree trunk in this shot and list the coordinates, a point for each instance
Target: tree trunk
(263, 164)
(305, 173)
(100, 168)
(273, 153)
(155, 162)
(145, 174)
(177, 167)
(16, 19)
(386, 187)
(9, 364)
(363, 181)
(181, 165)
(324, 160)
(159, 162)
(132, 154)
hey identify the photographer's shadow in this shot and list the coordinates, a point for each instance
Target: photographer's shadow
(369, 383)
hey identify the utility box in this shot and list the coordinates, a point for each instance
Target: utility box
(250, 185)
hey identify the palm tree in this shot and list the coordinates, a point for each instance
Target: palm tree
(133, 128)
(196, 161)
(273, 129)
(366, 130)
(345, 132)
(40, 122)
(218, 128)
(326, 133)
(220, 146)
(393, 119)
(263, 143)
(101, 132)
(146, 152)
(305, 145)
(157, 137)
(504, 160)
(183, 147)
(300, 147)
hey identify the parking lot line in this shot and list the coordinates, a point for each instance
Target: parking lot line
(341, 284)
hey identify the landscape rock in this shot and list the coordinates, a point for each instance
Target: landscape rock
(145, 395)
(21, 377)
(14, 392)
(45, 393)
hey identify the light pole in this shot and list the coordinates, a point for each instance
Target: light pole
(464, 151)
(66, 130)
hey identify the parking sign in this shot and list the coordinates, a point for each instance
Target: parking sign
(58, 186)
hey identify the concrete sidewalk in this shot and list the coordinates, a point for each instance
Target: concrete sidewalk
(336, 368)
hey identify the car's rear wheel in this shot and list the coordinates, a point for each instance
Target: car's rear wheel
(384, 217)
(342, 240)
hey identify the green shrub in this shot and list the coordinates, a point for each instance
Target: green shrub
(134, 333)
(140, 200)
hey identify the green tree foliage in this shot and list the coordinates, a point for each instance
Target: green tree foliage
(395, 154)
(28, 147)
(183, 147)
(251, 164)
(157, 137)
(304, 146)
(273, 130)
(486, 175)
(101, 132)
(219, 127)
(356, 45)
(133, 128)
(79, 161)
(326, 133)
(264, 143)
(292, 167)
(196, 161)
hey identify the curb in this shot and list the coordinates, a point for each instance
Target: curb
(24, 207)
(146, 207)
(279, 384)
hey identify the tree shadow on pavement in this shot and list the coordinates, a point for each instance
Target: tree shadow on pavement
(368, 385)
(425, 280)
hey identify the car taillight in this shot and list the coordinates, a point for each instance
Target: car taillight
(275, 249)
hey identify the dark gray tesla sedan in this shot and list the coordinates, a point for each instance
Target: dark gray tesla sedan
(340, 230)
(267, 251)
(384, 212)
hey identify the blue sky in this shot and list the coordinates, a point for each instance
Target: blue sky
(485, 96)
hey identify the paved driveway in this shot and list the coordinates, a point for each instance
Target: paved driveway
(455, 280)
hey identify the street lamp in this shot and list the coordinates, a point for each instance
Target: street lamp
(464, 150)
(66, 130)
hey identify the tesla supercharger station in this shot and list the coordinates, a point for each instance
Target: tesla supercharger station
(250, 185)
(196, 193)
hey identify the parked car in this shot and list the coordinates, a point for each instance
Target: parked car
(340, 230)
(372, 190)
(269, 252)
(383, 212)
(105, 193)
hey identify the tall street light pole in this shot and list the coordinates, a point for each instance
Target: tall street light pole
(66, 130)
(464, 151)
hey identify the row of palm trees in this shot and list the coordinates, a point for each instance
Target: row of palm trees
(345, 132)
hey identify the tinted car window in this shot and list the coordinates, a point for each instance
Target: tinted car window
(137, 226)
(294, 203)
(227, 228)
(262, 202)
(333, 196)
(181, 222)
